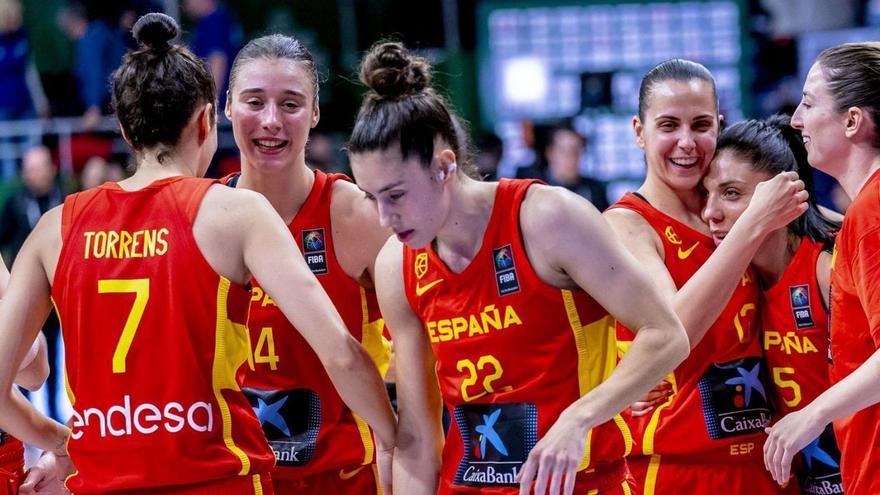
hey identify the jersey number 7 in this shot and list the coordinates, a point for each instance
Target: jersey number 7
(141, 289)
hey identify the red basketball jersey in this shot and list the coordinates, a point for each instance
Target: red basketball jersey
(11, 453)
(795, 331)
(512, 353)
(855, 332)
(720, 403)
(308, 425)
(156, 346)
(795, 327)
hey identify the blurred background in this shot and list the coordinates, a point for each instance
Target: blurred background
(548, 87)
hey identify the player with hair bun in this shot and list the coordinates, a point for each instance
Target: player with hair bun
(149, 277)
(496, 296)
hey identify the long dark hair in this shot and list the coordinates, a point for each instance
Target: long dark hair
(773, 146)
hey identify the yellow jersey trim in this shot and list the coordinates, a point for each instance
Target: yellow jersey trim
(67, 388)
(651, 475)
(372, 338)
(231, 350)
(258, 485)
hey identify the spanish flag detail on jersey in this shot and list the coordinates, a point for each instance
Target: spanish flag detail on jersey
(309, 427)
(512, 353)
(156, 346)
(720, 402)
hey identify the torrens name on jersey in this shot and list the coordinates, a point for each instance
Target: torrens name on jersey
(122, 244)
(789, 342)
(121, 420)
(459, 327)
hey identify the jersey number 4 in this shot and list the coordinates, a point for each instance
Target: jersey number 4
(141, 289)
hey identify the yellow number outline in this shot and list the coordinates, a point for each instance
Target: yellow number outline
(790, 384)
(472, 377)
(266, 339)
(141, 289)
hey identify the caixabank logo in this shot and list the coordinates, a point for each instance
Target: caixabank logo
(820, 473)
(734, 398)
(291, 420)
(497, 439)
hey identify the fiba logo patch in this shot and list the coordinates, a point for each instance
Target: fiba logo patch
(315, 250)
(505, 271)
(734, 398)
(800, 306)
(497, 439)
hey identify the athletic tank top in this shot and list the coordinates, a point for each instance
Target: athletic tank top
(512, 353)
(155, 345)
(720, 403)
(795, 329)
(11, 453)
(309, 427)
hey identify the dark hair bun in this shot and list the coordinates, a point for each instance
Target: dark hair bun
(390, 70)
(155, 30)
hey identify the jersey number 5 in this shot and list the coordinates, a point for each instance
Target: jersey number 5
(141, 289)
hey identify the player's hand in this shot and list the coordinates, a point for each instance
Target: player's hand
(655, 397)
(47, 476)
(785, 439)
(554, 461)
(777, 201)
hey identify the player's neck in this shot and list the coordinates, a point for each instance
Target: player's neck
(774, 256)
(462, 233)
(683, 206)
(286, 189)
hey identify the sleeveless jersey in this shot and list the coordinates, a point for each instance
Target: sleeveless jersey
(11, 453)
(309, 427)
(720, 403)
(795, 330)
(156, 345)
(512, 353)
(855, 332)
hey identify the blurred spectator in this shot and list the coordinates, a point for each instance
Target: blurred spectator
(490, 149)
(216, 38)
(99, 50)
(21, 94)
(319, 152)
(38, 194)
(97, 171)
(561, 166)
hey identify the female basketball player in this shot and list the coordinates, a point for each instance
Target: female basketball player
(794, 267)
(148, 276)
(273, 103)
(508, 284)
(707, 436)
(838, 117)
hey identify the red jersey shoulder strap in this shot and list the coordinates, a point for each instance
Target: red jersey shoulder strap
(74, 204)
(188, 194)
(657, 219)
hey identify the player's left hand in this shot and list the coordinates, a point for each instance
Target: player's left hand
(47, 476)
(555, 459)
(785, 439)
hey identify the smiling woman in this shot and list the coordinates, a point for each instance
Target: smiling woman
(320, 445)
(707, 435)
